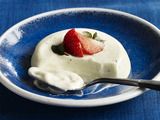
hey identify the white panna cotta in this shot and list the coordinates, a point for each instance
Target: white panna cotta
(68, 72)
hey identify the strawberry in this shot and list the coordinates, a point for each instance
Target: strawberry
(90, 46)
(72, 44)
(77, 45)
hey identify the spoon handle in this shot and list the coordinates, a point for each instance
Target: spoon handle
(151, 84)
(154, 85)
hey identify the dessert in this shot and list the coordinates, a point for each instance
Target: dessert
(71, 58)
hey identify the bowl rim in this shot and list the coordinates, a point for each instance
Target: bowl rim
(72, 102)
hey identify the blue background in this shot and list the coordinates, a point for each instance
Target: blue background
(144, 107)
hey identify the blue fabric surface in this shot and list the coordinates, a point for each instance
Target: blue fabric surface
(144, 107)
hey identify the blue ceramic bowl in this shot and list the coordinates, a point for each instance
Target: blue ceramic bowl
(140, 38)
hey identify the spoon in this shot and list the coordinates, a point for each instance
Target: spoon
(150, 84)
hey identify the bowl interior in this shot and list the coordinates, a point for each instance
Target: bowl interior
(141, 42)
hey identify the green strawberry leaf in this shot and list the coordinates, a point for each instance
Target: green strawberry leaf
(87, 34)
(59, 49)
(94, 35)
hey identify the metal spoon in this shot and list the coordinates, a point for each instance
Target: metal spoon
(151, 84)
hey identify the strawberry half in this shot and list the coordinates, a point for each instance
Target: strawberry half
(78, 45)
(72, 44)
(90, 46)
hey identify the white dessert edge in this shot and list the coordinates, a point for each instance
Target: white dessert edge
(69, 72)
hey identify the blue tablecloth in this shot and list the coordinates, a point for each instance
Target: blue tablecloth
(144, 107)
